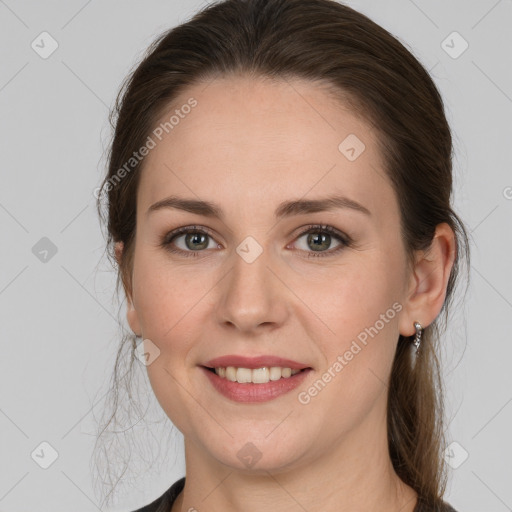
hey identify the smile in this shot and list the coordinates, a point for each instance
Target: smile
(256, 375)
(236, 383)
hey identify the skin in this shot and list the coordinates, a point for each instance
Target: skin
(247, 146)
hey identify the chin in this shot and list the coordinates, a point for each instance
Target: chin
(259, 457)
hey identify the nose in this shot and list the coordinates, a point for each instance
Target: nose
(253, 297)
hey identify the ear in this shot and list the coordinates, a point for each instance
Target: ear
(428, 282)
(131, 313)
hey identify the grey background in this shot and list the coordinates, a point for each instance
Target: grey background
(59, 319)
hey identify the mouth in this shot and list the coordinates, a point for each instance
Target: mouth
(242, 378)
(261, 375)
(254, 385)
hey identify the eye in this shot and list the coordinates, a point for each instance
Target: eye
(194, 240)
(320, 238)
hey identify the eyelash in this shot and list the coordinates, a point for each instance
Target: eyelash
(345, 240)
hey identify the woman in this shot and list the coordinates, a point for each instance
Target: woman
(279, 205)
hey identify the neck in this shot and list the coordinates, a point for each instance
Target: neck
(355, 473)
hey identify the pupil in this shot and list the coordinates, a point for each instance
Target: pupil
(192, 238)
(322, 244)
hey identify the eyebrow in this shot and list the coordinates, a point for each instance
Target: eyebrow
(285, 209)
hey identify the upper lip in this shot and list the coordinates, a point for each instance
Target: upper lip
(254, 362)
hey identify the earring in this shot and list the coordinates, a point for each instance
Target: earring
(417, 337)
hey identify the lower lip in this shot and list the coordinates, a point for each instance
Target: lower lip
(250, 392)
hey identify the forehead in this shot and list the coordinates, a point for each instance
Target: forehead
(266, 139)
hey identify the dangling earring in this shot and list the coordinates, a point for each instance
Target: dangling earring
(417, 337)
(413, 353)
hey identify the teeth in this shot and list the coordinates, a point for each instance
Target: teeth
(256, 375)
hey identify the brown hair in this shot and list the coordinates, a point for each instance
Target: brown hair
(318, 40)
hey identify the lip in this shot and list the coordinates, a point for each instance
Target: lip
(254, 362)
(249, 392)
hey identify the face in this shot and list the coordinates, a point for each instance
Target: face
(252, 284)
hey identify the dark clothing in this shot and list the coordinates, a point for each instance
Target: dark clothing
(165, 502)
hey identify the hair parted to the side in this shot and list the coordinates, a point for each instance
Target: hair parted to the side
(327, 42)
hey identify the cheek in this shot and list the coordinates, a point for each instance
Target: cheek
(349, 298)
(173, 302)
(164, 291)
(168, 304)
(360, 306)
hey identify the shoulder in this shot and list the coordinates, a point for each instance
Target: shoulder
(165, 502)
